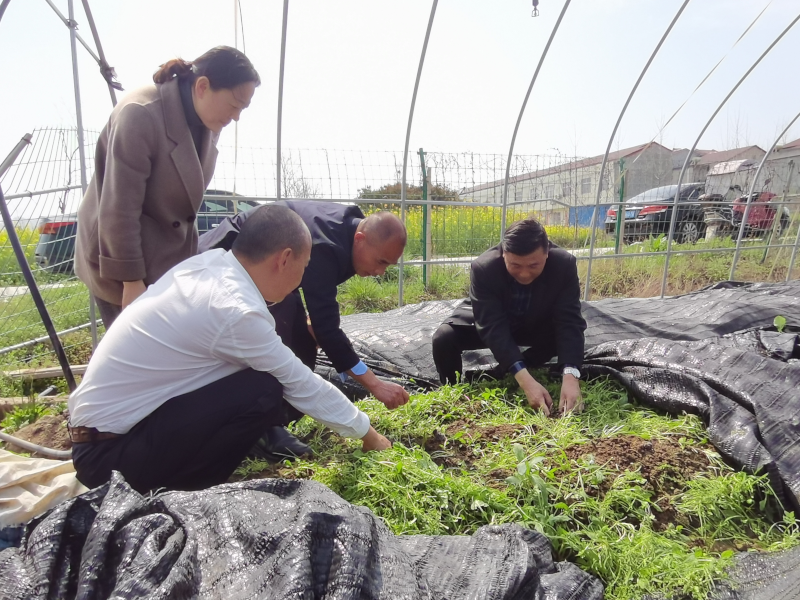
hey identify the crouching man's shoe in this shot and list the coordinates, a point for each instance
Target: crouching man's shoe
(277, 445)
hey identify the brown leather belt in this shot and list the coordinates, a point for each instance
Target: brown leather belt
(81, 435)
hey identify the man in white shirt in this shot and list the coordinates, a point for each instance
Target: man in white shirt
(192, 372)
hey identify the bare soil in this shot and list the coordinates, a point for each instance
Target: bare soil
(663, 464)
(49, 431)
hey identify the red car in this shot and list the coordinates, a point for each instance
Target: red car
(762, 215)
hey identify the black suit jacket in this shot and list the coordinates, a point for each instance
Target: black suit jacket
(555, 307)
(332, 228)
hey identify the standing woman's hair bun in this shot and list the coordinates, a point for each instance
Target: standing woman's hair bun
(177, 67)
(225, 68)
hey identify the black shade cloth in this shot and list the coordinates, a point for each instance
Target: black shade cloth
(763, 577)
(270, 538)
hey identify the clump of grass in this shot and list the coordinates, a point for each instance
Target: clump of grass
(28, 413)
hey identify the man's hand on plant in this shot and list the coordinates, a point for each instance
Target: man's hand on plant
(374, 441)
(538, 397)
(570, 395)
(391, 394)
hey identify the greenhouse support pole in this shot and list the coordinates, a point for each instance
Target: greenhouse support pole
(777, 222)
(673, 217)
(424, 217)
(621, 208)
(280, 95)
(81, 148)
(405, 147)
(105, 70)
(794, 255)
(586, 292)
(33, 289)
(12, 156)
(3, 6)
(504, 209)
(749, 202)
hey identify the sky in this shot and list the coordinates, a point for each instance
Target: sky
(351, 65)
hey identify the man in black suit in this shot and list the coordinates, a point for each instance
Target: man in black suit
(523, 292)
(344, 244)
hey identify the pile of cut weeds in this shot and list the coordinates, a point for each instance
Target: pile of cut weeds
(639, 499)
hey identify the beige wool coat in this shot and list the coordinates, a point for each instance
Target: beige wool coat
(137, 219)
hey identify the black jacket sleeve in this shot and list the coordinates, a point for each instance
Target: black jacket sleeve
(567, 318)
(224, 234)
(319, 291)
(491, 321)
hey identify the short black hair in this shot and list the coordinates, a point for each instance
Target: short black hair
(271, 229)
(524, 237)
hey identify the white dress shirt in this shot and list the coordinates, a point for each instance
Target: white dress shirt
(202, 321)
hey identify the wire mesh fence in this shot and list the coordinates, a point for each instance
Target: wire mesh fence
(453, 210)
(42, 190)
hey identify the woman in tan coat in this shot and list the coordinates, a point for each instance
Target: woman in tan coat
(153, 161)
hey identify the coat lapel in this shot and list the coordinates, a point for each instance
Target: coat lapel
(183, 155)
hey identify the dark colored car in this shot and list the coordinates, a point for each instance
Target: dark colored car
(56, 248)
(215, 209)
(649, 214)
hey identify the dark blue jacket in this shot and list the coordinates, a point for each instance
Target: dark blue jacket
(332, 228)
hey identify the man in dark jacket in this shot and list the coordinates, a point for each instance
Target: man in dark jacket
(523, 292)
(344, 244)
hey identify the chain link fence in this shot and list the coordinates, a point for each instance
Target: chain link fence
(453, 210)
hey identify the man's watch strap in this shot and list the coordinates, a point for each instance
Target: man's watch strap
(571, 370)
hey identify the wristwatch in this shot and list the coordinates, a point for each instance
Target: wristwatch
(571, 371)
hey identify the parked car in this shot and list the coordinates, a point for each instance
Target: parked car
(214, 209)
(650, 213)
(723, 216)
(56, 248)
(762, 215)
(55, 251)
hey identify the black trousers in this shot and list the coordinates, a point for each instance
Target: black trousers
(192, 441)
(449, 341)
(292, 328)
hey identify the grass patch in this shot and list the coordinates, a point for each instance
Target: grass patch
(26, 414)
(636, 497)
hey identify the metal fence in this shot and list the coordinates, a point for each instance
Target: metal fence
(453, 213)
(43, 190)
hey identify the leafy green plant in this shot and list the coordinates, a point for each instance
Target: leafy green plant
(24, 415)
(780, 323)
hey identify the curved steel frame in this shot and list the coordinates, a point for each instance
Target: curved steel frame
(504, 210)
(794, 255)
(673, 217)
(587, 289)
(408, 137)
(746, 214)
(280, 97)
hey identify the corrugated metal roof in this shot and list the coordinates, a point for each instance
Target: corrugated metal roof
(731, 166)
(726, 155)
